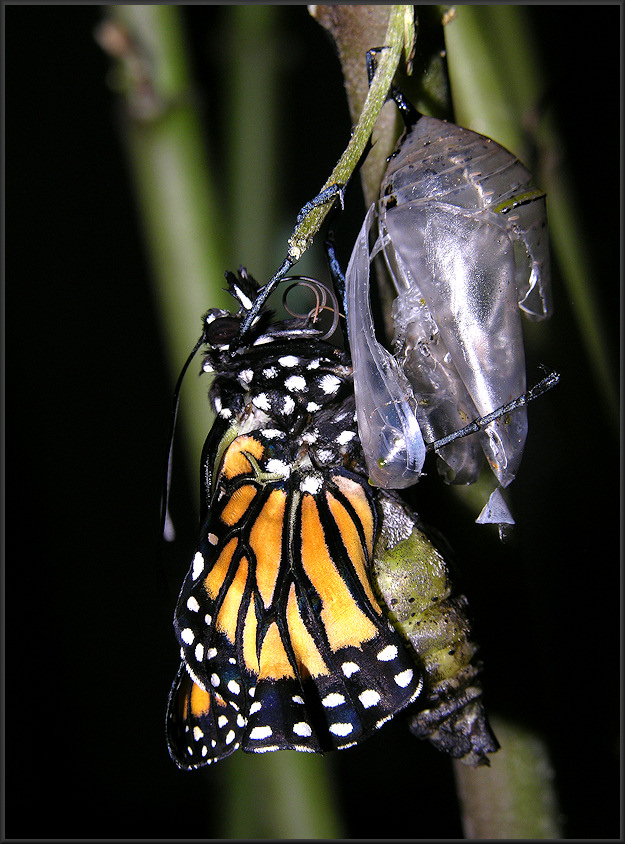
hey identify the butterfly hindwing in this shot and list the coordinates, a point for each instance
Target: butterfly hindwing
(202, 727)
(284, 645)
(367, 676)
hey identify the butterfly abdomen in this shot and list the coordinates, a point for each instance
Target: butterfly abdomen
(412, 579)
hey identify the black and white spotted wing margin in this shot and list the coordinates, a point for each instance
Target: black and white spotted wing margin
(206, 726)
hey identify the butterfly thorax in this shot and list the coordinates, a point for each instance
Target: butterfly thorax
(291, 386)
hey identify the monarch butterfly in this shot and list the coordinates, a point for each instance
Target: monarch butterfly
(288, 621)
(464, 236)
(315, 608)
(283, 642)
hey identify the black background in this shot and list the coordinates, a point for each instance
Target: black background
(90, 651)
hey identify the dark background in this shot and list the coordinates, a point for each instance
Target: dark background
(90, 652)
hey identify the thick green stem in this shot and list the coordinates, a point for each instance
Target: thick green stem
(497, 89)
(283, 795)
(252, 139)
(515, 796)
(175, 195)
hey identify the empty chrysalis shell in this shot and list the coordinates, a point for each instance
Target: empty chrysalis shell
(385, 405)
(464, 235)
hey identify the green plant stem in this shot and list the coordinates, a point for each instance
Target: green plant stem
(281, 795)
(278, 795)
(514, 784)
(175, 196)
(514, 798)
(388, 61)
(252, 137)
(356, 29)
(497, 89)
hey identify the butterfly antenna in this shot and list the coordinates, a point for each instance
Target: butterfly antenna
(166, 528)
(481, 422)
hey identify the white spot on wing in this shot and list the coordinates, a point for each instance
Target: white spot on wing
(345, 437)
(289, 406)
(288, 361)
(268, 749)
(301, 728)
(260, 733)
(187, 636)
(388, 653)
(278, 467)
(198, 565)
(341, 729)
(311, 484)
(369, 698)
(273, 434)
(329, 384)
(199, 652)
(192, 604)
(295, 384)
(418, 690)
(261, 401)
(350, 668)
(332, 700)
(403, 679)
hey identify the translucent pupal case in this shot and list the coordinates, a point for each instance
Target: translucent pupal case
(464, 235)
(385, 404)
